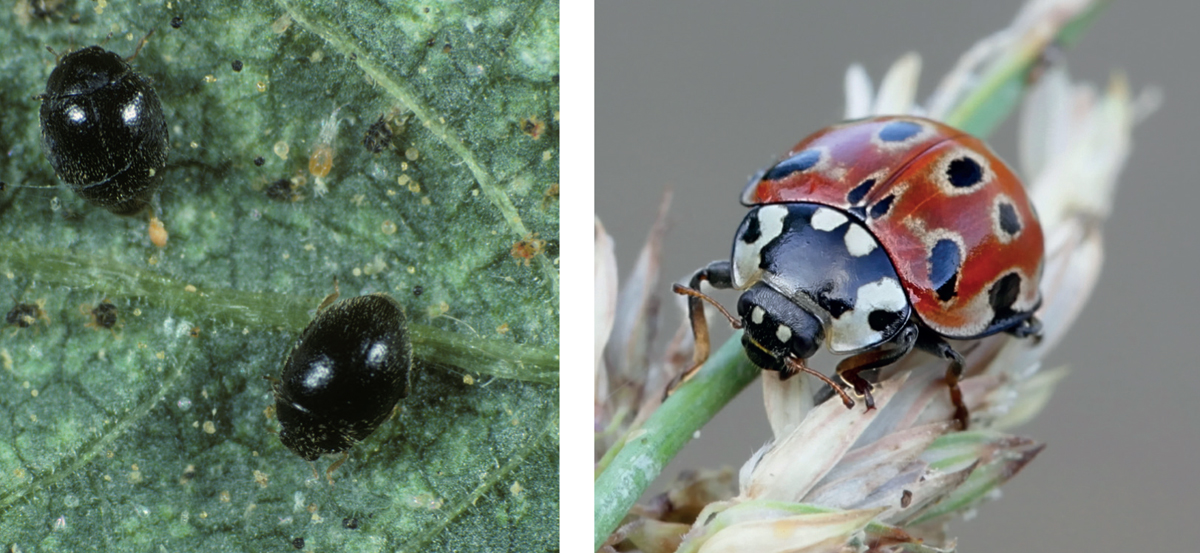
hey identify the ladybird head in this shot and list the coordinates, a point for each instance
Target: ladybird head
(776, 328)
(85, 71)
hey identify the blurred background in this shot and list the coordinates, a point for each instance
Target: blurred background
(697, 95)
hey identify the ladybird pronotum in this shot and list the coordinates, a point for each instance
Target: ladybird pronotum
(873, 238)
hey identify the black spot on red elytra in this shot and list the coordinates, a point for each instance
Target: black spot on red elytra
(899, 131)
(944, 262)
(802, 161)
(964, 172)
(1010, 222)
(859, 192)
(882, 206)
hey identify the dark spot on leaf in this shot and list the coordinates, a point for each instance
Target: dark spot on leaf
(859, 192)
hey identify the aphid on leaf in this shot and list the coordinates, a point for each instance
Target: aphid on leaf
(875, 237)
(283, 190)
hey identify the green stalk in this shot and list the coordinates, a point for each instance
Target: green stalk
(1001, 89)
(265, 310)
(648, 448)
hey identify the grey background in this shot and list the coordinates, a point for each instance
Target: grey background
(699, 94)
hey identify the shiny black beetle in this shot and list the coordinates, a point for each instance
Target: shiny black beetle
(344, 376)
(103, 130)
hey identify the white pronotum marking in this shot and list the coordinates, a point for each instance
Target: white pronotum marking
(859, 242)
(783, 333)
(746, 257)
(851, 331)
(827, 219)
(757, 315)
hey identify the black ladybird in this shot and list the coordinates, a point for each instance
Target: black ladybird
(103, 130)
(344, 376)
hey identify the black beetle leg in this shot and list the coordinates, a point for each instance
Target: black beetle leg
(719, 275)
(930, 342)
(883, 355)
(1031, 327)
(335, 465)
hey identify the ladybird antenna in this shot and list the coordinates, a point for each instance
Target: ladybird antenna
(685, 291)
(139, 46)
(796, 366)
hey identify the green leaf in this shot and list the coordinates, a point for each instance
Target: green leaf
(157, 435)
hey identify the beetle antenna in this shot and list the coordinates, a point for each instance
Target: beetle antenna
(685, 291)
(797, 366)
(139, 46)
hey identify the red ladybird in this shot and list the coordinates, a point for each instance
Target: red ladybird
(875, 237)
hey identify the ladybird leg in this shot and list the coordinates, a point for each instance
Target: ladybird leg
(934, 344)
(335, 465)
(881, 356)
(332, 297)
(719, 275)
(796, 366)
(1029, 327)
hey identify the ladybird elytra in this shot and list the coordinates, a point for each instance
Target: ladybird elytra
(103, 130)
(344, 376)
(875, 237)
